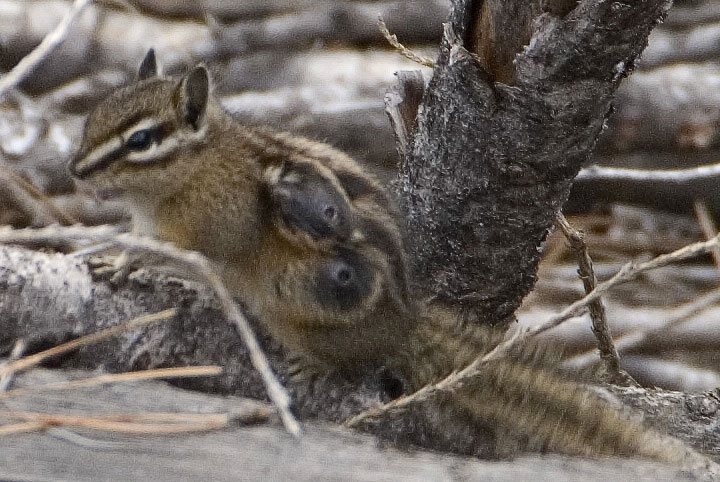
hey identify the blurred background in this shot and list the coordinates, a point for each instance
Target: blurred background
(321, 69)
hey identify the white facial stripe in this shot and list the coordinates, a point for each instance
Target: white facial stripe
(146, 123)
(98, 155)
(155, 151)
(272, 174)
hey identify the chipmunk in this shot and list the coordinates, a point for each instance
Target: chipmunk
(312, 245)
(246, 198)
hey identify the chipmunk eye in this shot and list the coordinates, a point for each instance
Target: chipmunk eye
(330, 212)
(345, 282)
(139, 140)
(342, 274)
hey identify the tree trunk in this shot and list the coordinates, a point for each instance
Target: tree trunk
(491, 164)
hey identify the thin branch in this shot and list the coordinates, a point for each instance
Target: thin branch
(676, 176)
(638, 338)
(456, 379)
(598, 316)
(708, 227)
(34, 360)
(32, 202)
(26, 66)
(200, 265)
(404, 51)
(626, 273)
(182, 372)
(686, 312)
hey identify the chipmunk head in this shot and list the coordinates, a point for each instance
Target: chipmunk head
(142, 132)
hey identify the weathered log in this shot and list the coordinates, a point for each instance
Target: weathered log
(46, 298)
(672, 197)
(249, 453)
(674, 108)
(94, 44)
(698, 44)
(693, 13)
(491, 164)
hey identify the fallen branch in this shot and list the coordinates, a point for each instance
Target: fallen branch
(677, 176)
(200, 265)
(26, 66)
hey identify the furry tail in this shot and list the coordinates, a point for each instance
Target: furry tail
(526, 397)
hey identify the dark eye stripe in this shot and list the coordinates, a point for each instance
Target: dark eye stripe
(100, 163)
(80, 168)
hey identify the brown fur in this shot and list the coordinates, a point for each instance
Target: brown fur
(211, 195)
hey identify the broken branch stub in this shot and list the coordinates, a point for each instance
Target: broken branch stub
(490, 165)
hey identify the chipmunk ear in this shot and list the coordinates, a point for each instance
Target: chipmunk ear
(148, 67)
(194, 92)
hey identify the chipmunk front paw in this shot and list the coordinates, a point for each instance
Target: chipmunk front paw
(113, 269)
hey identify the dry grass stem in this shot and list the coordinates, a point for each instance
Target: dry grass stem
(404, 51)
(456, 379)
(598, 316)
(183, 372)
(677, 176)
(33, 360)
(26, 66)
(201, 266)
(135, 423)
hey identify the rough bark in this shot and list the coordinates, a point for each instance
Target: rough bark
(491, 165)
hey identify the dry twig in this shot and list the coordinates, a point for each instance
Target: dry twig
(136, 423)
(404, 51)
(34, 360)
(200, 265)
(181, 372)
(456, 379)
(48, 44)
(598, 316)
